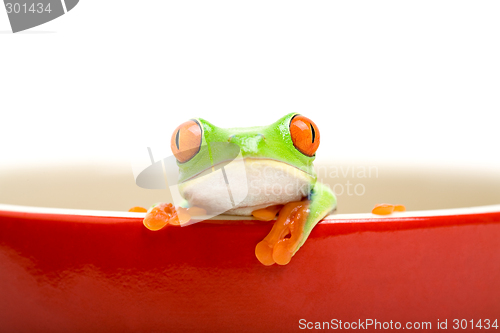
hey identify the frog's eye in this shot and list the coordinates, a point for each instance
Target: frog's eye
(186, 141)
(305, 135)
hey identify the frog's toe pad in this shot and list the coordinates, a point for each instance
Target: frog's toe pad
(159, 216)
(282, 253)
(264, 252)
(279, 253)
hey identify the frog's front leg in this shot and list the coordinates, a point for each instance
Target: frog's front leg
(293, 226)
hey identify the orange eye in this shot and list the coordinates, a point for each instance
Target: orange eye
(186, 141)
(305, 135)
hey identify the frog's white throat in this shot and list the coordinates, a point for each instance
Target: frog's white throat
(243, 186)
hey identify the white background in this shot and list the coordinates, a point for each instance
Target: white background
(389, 81)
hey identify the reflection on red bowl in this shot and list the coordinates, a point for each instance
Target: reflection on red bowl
(69, 270)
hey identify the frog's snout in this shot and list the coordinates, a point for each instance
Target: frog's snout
(235, 137)
(247, 143)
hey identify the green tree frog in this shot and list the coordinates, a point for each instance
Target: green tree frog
(280, 179)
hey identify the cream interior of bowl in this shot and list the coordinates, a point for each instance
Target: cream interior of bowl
(358, 188)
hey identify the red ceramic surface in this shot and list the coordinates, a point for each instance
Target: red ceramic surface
(74, 273)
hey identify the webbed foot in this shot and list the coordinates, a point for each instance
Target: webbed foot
(285, 237)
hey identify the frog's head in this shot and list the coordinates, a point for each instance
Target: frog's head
(293, 140)
(289, 143)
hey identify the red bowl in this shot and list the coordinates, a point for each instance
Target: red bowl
(64, 270)
(68, 270)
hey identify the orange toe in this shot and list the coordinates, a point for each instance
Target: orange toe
(264, 252)
(281, 252)
(399, 208)
(161, 215)
(268, 213)
(138, 209)
(383, 209)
